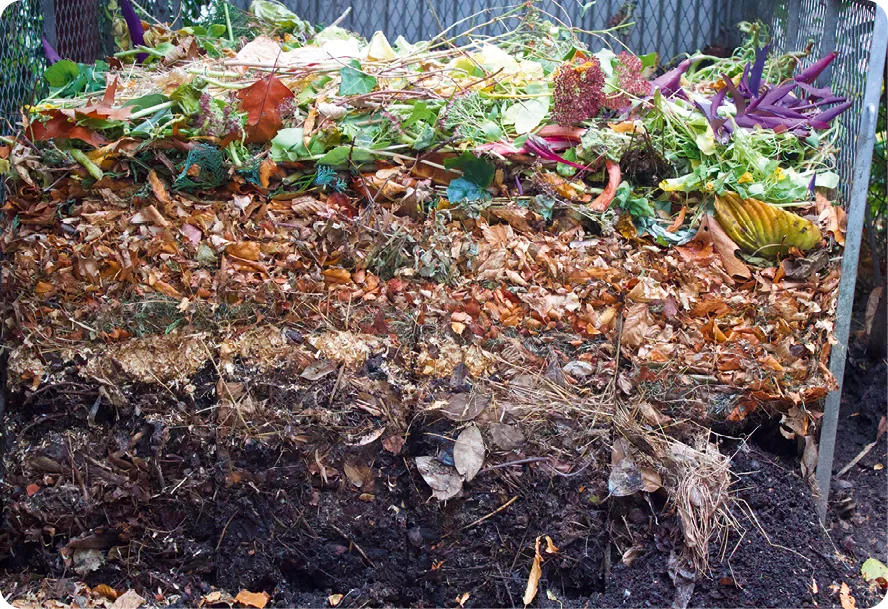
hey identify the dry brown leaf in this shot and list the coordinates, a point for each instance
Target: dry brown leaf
(158, 188)
(845, 598)
(533, 580)
(465, 406)
(468, 452)
(711, 233)
(462, 598)
(334, 599)
(831, 217)
(336, 276)
(261, 101)
(248, 250)
(443, 479)
(393, 444)
(106, 591)
(257, 600)
(551, 548)
(128, 600)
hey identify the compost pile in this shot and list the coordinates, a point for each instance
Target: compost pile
(261, 278)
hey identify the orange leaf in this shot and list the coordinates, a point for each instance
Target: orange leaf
(43, 287)
(261, 101)
(258, 600)
(533, 580)
(32, 489)
(248, 250)
(103, 109)
(158, 188)
(336, 276)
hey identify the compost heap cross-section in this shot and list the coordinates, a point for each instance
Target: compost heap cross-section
(256, 266)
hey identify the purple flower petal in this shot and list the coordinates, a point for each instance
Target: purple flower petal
(739, 100)
(812, 184)
(670, 82)
(540, 147)
(758, 68)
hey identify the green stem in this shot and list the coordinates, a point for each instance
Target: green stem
(228, 22)
(234, 158)
(151, 110)
(138, 50)
(91, 167)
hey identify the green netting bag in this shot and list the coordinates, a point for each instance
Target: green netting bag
(204, 169)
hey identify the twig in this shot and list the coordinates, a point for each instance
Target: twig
(354, 543)
(225, 529)
(483, 518)
(341, 17)
(856, 459)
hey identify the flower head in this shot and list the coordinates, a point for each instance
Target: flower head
(579, 92)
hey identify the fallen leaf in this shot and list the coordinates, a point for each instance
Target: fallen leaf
(368, 438)
(551, 548)
(248, 250)
(831, 217)
(872, 307)
(32, 489)
(506, 437)
(443, 479)
(106, 591)
(711, 232)
(58, 127)
(258, 600)
(354, 475)
(462, 598)
(393, 444)
(533, 580)
(319, 369)
(845, 598)
(158, 188)
(334, 599)
(128, 600)
(468, 452)
(873, 570)
(465, 406)
(262, 101)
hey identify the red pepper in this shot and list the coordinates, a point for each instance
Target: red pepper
(603, 201)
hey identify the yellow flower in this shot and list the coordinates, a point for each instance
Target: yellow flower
(746, 177)
(778, 174)
(710, 186)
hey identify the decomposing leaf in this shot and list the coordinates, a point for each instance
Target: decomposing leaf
(393, 444)
(874, 571)
(462, 598)
(533, 580)
(262, 101)
(106, 591)
(319, 369)
(505, 436)
(334, 599)
(257, 600)
(468, 452)
(128, 600)
(551, 548)
(845, 598)
(465, 406)
(444, 480)
(712, 233)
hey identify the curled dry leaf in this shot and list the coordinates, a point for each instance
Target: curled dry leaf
(443, 479)
(393, 444)
(533, 580)
(334, 599)
(551, 548)
(845, 598)
(468, 452)
(711, 232)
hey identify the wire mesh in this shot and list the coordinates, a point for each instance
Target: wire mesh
(21, 59)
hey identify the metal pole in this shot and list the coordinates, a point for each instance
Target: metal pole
(47, 9)
(857, 204)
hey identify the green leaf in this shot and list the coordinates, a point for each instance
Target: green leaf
(342, 154)
(475, 170)
(425, 138)
(872, 569)
(188, 98)
(355, 82)
(287, 145)
(61, 73)
(527, 114)
(421, 112)
(146, 101)
(648, 61)
(217, 30)
(461, 189)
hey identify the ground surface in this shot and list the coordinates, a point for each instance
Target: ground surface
(261, 517)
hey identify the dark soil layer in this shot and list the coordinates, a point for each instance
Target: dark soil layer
(259, 515)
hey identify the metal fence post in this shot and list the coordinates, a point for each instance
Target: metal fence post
(856, 211)
(47, 9)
